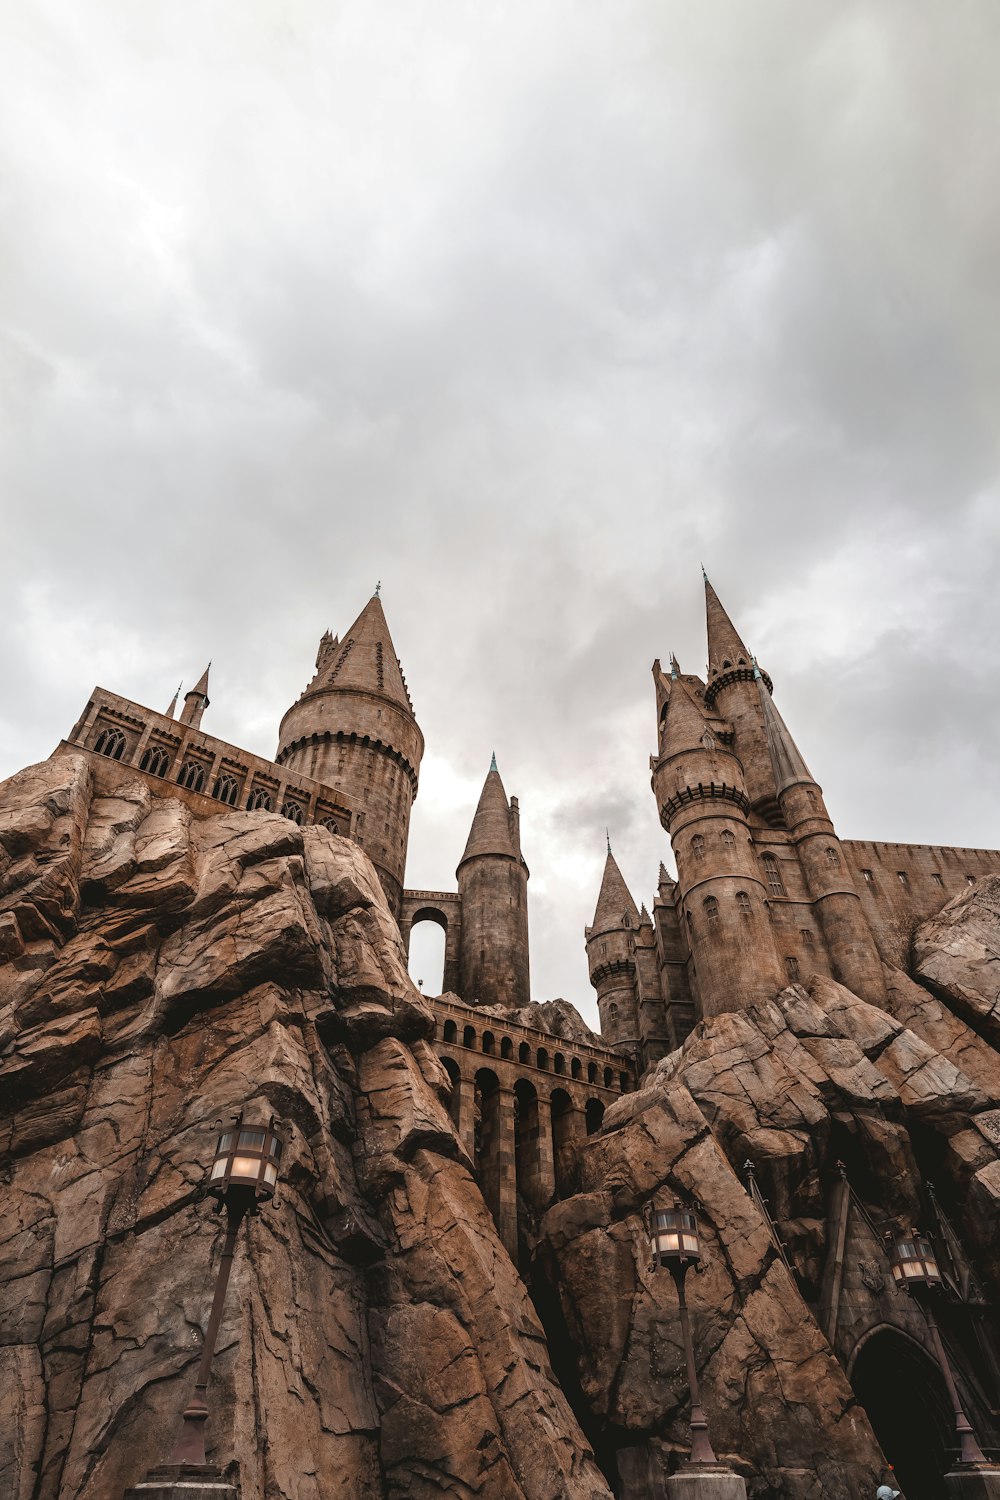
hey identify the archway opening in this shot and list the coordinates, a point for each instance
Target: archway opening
(487, 1138)
(901, 1389)
(454, 1104)
(566, 1131)
(594, 1115)
(426, 955)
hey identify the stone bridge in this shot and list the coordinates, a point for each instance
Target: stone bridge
(521, 1099)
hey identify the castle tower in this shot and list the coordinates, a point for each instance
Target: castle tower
(611, 958)
(731, 691)
(354, 729)
(701, 793)
(849, 940)
(196, 701)
(493, 886)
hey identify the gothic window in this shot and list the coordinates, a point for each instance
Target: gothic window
(774, 881)
(111, 742)
(697, 846)
(613, 1014)
(226, 789)
(792, 965)
(728, 839)
(192, 776)
(293, 811)
(937, 878)
(970, 879)
(155, 760)
(832, 857)
(901, 877)
(626, 920)
(807, 937)
(711, 908)
(259, 800)
(743, 903)
(869, 877)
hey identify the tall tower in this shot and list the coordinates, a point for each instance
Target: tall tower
(731, 691)
(196, 701)
(493, 885)
(611, 958)
(354, 729)
(704, 806)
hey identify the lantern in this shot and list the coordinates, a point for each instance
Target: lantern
(246, 1163)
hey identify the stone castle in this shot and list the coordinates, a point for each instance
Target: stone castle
(799, 1040)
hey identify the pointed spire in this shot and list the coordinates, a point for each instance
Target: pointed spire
(173, 702)
(684, 722)
(675, 668)
(786, 759)
(607, 835)
(725, 649)
(493, 761)
(645, 920)
(196, 701)
(615, 902)
(491, 827)
(364, 660)
(201, 686)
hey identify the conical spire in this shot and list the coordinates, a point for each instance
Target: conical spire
(490, 832)
(786, 760)
(725, 649)
(364, 660)
(173, 702)
(684, 722)
(201, 686)
(614, 904)
(196, 701)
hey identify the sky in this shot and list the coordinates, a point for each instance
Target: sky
(527, 311)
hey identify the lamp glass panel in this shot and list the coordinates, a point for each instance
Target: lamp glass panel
(251, 1140)
(246, 1168)
(225, 1141)
(218, 1168)
(270, 1175)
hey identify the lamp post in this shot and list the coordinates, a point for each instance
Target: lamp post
(675, 1243)
(243, 1174)
(915, 1268)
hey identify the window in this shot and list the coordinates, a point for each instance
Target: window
(807, 937)
(970, 879)
(832, 857)
(192, 776)
(259, 800)
(774, 881)
(293, 811)
(697, 846)
(937, 878)
(226, 790)
(792, 965)
(901, 877)
(728, 839)
(591, 1072)
(111, 742)
(155, 760)
(869, 877)
(711, 908)
(613, 1014)
(743, 903)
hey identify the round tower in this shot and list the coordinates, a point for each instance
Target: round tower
(493, 885)
(611, 959)
(730, 690)
(354, 730)
(701, 793)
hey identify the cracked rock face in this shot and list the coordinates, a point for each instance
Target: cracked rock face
(158, 973)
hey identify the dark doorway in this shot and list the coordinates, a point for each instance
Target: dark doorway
(901, 1389)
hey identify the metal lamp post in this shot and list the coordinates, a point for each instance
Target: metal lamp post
(675, 1244)
(915, 1268)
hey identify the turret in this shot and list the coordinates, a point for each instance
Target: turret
(196, 701)
(354, 729)
(172, 707)
(700, 790)
(611, 958)
(731, 691)
(849, 940)
(493, 884)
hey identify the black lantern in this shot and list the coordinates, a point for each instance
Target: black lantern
(915, 1268)
(246, 1163)
(674, 1241)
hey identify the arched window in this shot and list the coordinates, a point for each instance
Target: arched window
(489, 1043)
(832, 857)
(743, 903)
(609, 1078)
(623, 1082)
(111, 742)
(259, 800)
(450, 1031)
(469, 1036)
(542, 1059)
(774, 881)
(524, 1052)
(591, 1072)
(192, 776)
(226, 789)
(575, 1068)
(612, 1014)
(711, 908)
(155, 760)
(697, 846)
(807, 937)
(792, 965)
(728, 838)
(506, 1048)
(293, 811)
(559, 1063)
(330, 823)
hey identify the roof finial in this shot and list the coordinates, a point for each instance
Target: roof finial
(378, 590)
(703, 573)
(607, 835)
(756, 669)
(675, 670)
(173, 702)
(493, 762)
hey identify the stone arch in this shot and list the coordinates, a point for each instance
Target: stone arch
(439, 910)
(454, 1073)
(487, 1142)
(450, 1031)
(542, 1058)
(591, 1072)
(506, 1048)
(566, 1131)
(594, 1115)
(559, 1064)
(904, 1395)
(489, 1043)
(469, 1037)
(609, 1078)
(575, 1067)
(524, 1052)
(533, 1183)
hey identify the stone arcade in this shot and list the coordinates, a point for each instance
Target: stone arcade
(453, 1292)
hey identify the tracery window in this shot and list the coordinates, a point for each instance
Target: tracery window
(711, 908)
(774, 882)
(293, 811)
(728, 838)
(192, 776)
(697, 846)
(111, 742)
(743, 903)
(792, 965)
(155, 760)
(226, 789)
(259, 800)
(832, 857)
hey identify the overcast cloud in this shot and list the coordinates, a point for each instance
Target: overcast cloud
(526, 310)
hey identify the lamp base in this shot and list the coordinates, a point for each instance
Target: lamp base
(712, 1482)
(973, 1482)
(183, 1482)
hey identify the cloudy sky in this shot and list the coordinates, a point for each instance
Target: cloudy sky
(525, 309)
